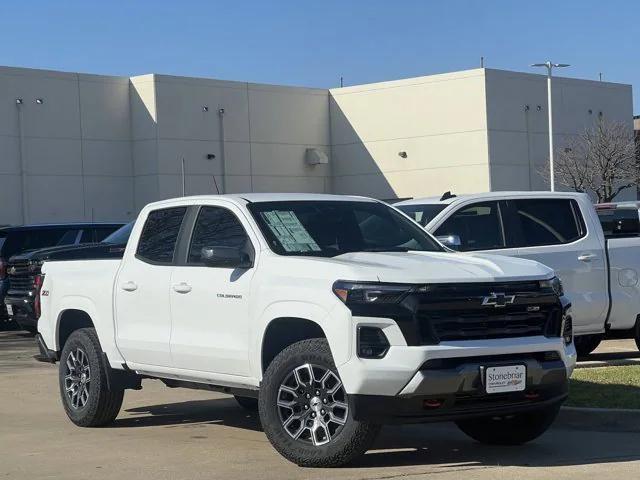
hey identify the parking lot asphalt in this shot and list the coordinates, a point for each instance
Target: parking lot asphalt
(164, 433)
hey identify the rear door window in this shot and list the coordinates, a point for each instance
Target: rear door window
(478, 226)
(546, 221)
(160, 234)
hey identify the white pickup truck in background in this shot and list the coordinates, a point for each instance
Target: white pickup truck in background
(561, 230)
(333, 315)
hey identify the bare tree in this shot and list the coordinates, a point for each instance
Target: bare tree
(601, 160)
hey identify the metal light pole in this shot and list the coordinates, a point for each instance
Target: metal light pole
(550, 66)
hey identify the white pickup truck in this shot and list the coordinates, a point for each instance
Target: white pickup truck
(331, 315)
(561, 230)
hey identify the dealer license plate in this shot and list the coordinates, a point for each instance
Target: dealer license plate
(506, 378)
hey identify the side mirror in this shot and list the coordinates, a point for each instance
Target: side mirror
(451, 241)
(225, 257)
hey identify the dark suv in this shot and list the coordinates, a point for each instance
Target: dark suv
(17, 240)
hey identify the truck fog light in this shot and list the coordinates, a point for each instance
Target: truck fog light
(567, 329)
(372, 342)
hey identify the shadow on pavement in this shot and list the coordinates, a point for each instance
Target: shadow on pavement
(223, 411)
(427, 444)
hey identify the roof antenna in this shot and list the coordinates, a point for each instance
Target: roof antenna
(447, 195)
(215, 184)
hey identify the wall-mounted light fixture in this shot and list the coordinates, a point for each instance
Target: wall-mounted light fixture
(539, 107)
(39, 101)
(205, 108)
(402, 154)
(210, 156)
(19, 101)
(526, 108)
(590, 112)
(221, 111)
(600, 114)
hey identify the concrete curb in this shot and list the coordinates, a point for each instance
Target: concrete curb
(609, 363)
(600, 419)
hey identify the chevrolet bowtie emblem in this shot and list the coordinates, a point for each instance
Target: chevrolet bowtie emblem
(498, 300)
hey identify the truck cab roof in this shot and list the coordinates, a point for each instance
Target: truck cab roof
(488, 196)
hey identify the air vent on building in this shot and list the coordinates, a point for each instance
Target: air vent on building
(315, 156)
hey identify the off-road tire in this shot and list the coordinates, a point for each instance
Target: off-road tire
(586, 344)
(510, 430)
(354, 438)
(103, 404)
(248, 403)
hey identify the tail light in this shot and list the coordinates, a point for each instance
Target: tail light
(3, 268)
(38, 280)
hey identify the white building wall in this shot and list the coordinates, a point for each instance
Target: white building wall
(519, 137)
(74, 147)
(439, 121)
(101, 147)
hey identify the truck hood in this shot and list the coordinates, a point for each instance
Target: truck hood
(438, 267)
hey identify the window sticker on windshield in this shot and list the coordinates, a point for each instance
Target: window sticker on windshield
(290, 232)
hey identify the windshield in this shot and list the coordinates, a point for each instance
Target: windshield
(422, 214)
(120, 236)
(330, 228)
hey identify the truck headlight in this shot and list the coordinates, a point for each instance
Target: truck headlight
(368, 293)
(554, 284)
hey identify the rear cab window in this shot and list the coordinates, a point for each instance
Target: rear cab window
(612, 218)
(159, 235)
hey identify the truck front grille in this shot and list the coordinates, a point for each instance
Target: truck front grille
(21, 277)
(460, 312)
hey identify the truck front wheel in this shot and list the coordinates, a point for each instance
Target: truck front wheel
(512, 429)
(86, 396)
(305, 410)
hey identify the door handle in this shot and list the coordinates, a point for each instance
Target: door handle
(129, 286)
(182, 287)
(587, 257)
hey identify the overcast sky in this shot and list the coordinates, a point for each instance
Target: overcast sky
(314, 43)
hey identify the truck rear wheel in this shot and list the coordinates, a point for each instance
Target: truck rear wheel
(637, 333)
(585, 344)
(512, 429)
(305, 410)
(86, 396)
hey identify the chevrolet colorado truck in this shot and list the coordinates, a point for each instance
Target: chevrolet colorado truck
(599, 269)
(330, 315)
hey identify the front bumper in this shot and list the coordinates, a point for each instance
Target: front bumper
(23, 312)
(453, 389)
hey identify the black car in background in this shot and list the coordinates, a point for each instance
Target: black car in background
(17, 240)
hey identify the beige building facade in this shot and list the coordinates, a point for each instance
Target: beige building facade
(90, 147)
